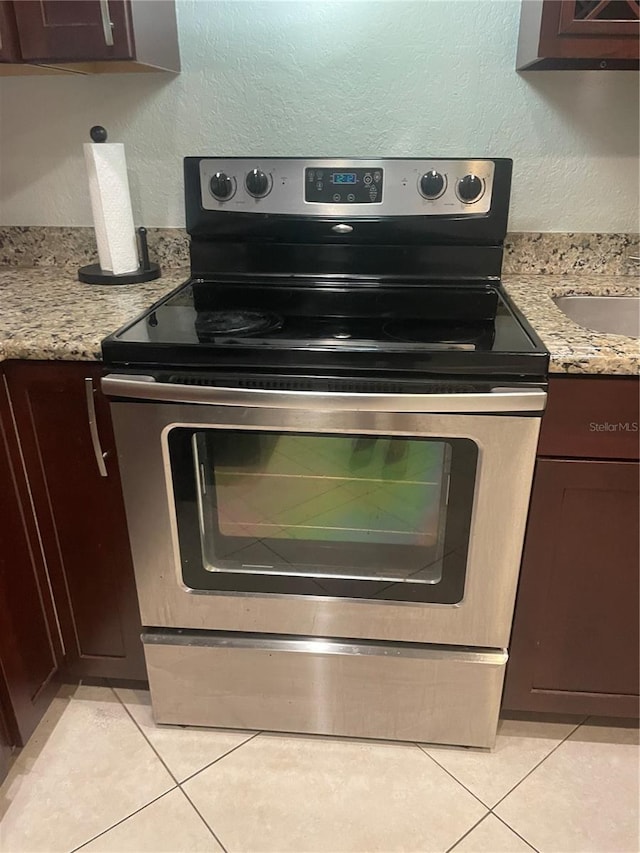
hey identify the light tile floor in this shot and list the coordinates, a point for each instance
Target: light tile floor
(99, 776)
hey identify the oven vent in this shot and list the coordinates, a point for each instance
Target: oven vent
(336, 385)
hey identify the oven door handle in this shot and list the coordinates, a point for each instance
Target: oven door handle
(497, 401)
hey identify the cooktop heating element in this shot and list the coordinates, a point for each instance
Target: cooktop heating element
(210, 325)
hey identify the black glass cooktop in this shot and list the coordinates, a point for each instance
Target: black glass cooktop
(366, 325)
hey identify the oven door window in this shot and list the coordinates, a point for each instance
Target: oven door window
(352, 516)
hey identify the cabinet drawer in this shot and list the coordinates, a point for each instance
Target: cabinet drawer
(591, 417)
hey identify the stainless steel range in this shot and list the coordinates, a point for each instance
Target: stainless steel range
(326, 439)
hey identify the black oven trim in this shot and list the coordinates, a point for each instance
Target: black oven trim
(450, 590)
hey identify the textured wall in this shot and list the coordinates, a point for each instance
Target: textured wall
(434, 77)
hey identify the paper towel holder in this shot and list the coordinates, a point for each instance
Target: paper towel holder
(147, 271)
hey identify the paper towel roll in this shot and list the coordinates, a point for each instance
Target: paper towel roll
(111, 205)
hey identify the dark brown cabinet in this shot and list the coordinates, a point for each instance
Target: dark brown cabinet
(579, 34)
(30, 647)
(6, 743)
(74, 30)
(576, 630)
(93, 36)
(71, 465)
(9, 41)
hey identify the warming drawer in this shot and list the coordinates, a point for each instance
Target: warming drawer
(330, 687)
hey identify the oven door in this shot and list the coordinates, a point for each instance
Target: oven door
(338, 515)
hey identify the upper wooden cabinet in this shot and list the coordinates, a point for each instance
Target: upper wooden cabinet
(579, 34)
(71, 30)
(92, 36)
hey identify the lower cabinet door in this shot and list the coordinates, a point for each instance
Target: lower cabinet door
(9, 39)
(6, 744)
(575, 638)
(65, 433)
(30, 650)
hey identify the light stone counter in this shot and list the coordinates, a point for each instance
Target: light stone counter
(46, 313)
(573, 348)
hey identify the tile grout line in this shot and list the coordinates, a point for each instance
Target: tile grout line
(449, 773)
(542, 760)
(471, 828)
(188, 779)
(157, 754)
(491, 808)
(197, 811)
(176, 785)
(173, 776)
(515, 831)
(179, 784)
(122, 820)
(219, 758)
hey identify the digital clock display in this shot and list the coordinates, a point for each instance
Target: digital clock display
(344, 178)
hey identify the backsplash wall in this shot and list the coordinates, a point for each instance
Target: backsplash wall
(524, 253)
(317, 78)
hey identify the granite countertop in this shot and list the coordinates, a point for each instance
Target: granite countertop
(46, 313)
(573, 348)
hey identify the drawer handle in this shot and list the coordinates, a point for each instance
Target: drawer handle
(93, 427)
(107, 26)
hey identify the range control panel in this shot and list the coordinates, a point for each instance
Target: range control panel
(352, 186)
(332, 187)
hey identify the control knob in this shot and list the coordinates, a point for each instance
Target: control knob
(257, 183)
(469, 188)
(432, 184)
(221, 186)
